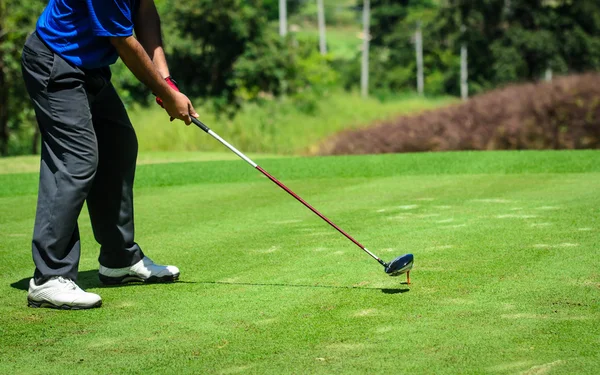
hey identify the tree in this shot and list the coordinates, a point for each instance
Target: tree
(17, 126)
(392, 61)
(227, 51)
(519, 42)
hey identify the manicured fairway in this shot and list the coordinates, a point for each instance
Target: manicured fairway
(506, 277)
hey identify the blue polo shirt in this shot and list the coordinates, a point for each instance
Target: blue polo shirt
(78, 30)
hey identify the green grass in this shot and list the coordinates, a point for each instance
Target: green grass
(278, 127)
(31, 163)
(341, 42)
(506, 277)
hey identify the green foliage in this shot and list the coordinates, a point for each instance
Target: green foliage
(227, 52)
(286, 125)
(520, 39)
(17, 126)
(276, 67)
(271, 8)
(392, 63)
(338, 13)
(505, 43)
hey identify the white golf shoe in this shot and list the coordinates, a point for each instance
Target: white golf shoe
(145, 271)
(61, 293)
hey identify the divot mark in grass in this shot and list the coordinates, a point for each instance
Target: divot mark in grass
(492, 200)
(547, 246)
(542, 369)
(104, 342)
(548, 208)
(266, 321)
(445, 221)
(384, 329)
(454, 226)
(425, 199)
(382, 210)
(236, 369)
(345, 347)
(408, 206)
(510, 366)
(459, 301)
(230, 280)
(320, 233)
(398, 217)
(428, 215)
(339, 252)
(515, 216)
(516, 209)
(541, 224)
(443, 207)
(433, 269)
(508, 306)
(270, 250)
(388, 250)
(306, 229)
(125, 304)
(441, 247)
(585, 229)
(367, 312)
(283, 222)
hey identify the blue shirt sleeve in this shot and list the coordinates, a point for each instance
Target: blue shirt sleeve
(111, 17)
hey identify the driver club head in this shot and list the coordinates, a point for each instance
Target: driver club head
(400, 265)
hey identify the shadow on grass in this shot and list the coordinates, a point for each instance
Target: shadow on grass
(89, 279)
(383, 290)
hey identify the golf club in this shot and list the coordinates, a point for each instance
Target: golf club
(398, 266)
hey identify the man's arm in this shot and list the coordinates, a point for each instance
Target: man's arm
(147, 31)
(137, 60)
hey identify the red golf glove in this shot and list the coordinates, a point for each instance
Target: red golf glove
(171, 82)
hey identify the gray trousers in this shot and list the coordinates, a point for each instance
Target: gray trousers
(89, 151)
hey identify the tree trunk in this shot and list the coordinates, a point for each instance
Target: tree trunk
(419, 55)
(3, 112)
(3, 90)
(322, 36)
(364, 76)
(283, 17)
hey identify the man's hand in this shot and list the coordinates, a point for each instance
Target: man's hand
(137, 60)
(178, 106)
(171, 82)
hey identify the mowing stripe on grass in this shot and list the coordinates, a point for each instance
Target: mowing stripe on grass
(369, 166)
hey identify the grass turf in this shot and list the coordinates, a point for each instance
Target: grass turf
(506, 277)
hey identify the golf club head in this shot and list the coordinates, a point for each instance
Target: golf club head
(400, 265)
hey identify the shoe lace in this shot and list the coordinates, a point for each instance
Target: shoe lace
(70, 283)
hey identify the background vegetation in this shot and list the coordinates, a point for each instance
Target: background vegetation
(562, 114)
(229, 56)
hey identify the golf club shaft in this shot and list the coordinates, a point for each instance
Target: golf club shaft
(281, 185)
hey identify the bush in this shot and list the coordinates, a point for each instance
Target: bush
(563, 114)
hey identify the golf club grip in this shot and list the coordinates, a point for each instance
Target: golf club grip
(199, 124)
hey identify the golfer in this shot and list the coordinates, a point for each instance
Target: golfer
(89, 147)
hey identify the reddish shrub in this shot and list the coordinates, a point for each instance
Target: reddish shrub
(562, 114)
